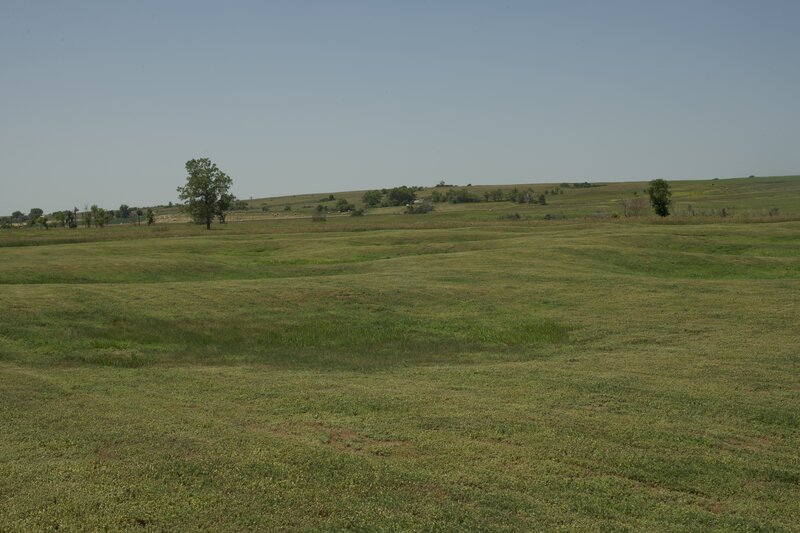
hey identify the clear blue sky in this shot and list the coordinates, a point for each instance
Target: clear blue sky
(104, 101)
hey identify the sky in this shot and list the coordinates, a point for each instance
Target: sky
(103, 102)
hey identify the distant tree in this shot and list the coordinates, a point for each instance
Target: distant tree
(124, 211)
(206, 186)
(151, 217)
(18, 217)
(343, 206)
(460, 196)
(401, 195)
(542, 199)
(59, 217)
(139, 214)
(660, 196)
(372, 198)
(35, 213)
(43, 221)
(100, 216)
(226, 203)
(70, 218)
(5, 222)
(96, 218)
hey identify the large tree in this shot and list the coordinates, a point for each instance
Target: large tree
(401, 195)
(660, 196)
(206, 191)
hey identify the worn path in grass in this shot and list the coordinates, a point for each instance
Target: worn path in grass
(395, 373)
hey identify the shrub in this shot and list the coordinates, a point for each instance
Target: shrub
(343, 206)
(510, 216)
(356, 212)
(633, 207)
(319, 217)
(494, 196)
(264, 208)
(418, 209)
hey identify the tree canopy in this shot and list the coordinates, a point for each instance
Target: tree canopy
(205, 194)
(659, 193)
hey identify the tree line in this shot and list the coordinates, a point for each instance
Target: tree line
(399, 196)
(72, 218)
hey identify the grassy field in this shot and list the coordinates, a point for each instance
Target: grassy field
(447, 371)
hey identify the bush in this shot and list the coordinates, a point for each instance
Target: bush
(287, 208)
(264, 208)
(356, 212)
(633, 207)
(418, 209)
(494, 196)
(510, 216)
(319, 217)
(343, 206)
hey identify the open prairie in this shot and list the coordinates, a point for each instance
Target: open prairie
(448, 371)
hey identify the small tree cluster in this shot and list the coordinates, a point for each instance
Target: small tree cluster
(343, 206)
(403, 195)
(454, 196)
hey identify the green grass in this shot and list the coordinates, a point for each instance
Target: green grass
(448, 371)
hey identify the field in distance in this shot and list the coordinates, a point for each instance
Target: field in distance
(456, 370)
